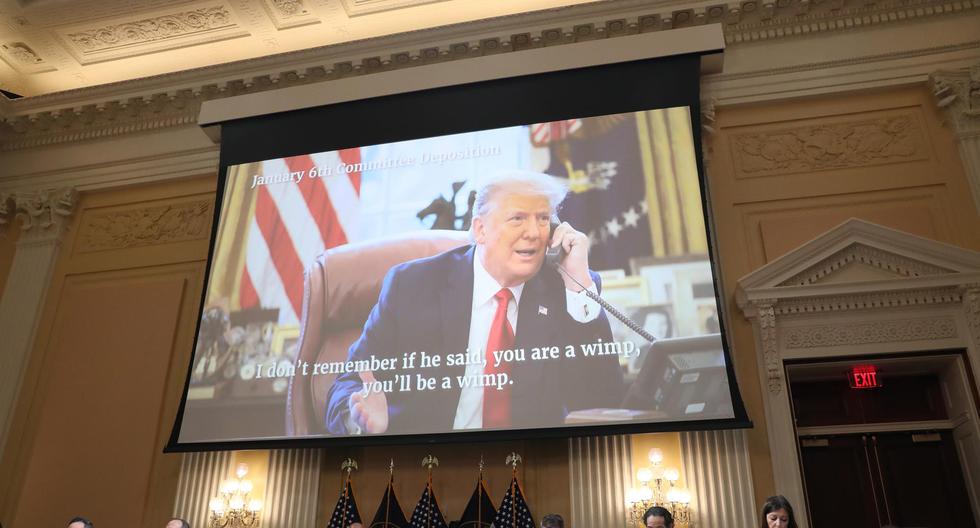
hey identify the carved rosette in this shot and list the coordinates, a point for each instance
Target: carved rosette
(766, 313)
(42, 213)
(958, 93)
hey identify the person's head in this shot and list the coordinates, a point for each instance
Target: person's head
(80, 522)
(552, 520)
(178, 523)
(777, 512)
(512, 223)
(658, 517)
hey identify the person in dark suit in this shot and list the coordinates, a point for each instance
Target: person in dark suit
(447, 323)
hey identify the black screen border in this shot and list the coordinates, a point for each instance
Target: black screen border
(646, 84)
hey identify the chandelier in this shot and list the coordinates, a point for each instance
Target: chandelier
(658, 487)
(232, 508)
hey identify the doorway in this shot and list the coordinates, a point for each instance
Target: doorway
(884, 455)
(872, 480)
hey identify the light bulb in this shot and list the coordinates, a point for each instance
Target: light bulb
(644, 475)
(254, 505)
(656, 455)
(632, 496)
(231, 487)
(245, 486)
(217, 505)
(645, 493)
(241, 470)
(236, 503)
(684, 496)
(673, 495)
(672, 475)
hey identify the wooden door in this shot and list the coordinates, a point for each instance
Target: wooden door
(875, 480)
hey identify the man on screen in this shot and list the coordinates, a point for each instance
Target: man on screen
(448, 321)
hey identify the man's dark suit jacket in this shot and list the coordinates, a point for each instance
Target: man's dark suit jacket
(425, 305)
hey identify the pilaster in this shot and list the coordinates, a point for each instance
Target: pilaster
(957, 92)
(44, 216)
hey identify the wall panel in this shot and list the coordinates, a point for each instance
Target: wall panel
(105, 376)
(781, 173)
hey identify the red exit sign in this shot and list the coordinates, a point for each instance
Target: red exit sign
(864, 377)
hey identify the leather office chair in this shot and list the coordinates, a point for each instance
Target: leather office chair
(341, 288)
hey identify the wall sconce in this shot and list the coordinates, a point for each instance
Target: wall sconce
(658, 488)
(232, 508)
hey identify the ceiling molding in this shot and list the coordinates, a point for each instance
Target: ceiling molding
(90, 43)
(174, 99)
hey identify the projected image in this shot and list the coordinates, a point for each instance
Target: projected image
(450, 284)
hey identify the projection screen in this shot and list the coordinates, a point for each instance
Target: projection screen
(360, 252)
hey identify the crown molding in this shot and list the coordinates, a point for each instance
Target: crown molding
(174, 99)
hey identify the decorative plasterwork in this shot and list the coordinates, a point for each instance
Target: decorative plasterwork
(868, 301)
(971, 309)
(859, 143)
(564, 26)
(23, 58)
(756, 20)
(770, 343)
(95, 43)
(287, 14)
(42, 213)
(363, 7)
(860, 254)
(830, 335)
(146, 226)
(958, 93)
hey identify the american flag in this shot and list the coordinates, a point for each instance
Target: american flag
(345, 512)
(293, 223)
(427, 513)
(513, 512)
(544, 133)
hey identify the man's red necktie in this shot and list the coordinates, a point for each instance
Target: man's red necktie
(496, 402)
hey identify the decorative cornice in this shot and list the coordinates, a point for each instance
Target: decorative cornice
(47, 119)
(870, 332)
(43, 213)
(958, 93)
(289, 13)
(859, 253)
(868, 301)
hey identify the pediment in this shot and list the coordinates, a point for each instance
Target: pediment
(862, 253)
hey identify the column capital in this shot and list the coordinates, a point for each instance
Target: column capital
(43, 213)
(957, 92)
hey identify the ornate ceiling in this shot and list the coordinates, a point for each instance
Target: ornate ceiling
(55, 45)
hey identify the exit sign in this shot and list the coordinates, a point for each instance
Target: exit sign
(864, 377)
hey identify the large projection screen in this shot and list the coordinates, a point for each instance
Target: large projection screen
(358, 247)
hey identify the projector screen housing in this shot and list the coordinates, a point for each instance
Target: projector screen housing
(607, 130)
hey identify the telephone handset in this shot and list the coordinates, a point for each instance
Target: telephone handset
(553, 257)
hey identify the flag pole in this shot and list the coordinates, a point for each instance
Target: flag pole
(391, 482)
(479, 500)
(348, 465)
(428, 463)
(513, 459)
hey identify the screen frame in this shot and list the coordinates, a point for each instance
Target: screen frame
(511, 101)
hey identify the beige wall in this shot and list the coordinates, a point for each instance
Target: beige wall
(782, 173)
(105, 375)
